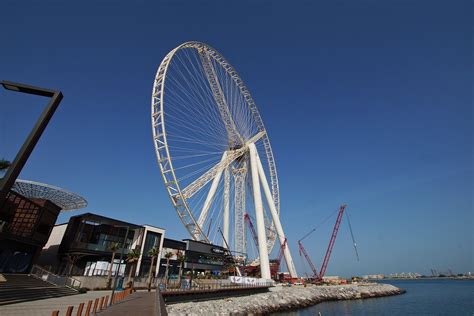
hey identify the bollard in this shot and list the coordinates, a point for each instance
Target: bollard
(79, 309)
(88, 309)
(96, 302)
(101, 302)
(106, 301)
(69, 310)
(55, 313)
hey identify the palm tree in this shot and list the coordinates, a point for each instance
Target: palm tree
(132, 258)
(4, 164)
(153, 253)
(168, 256)
(180, 256)
(113, 247)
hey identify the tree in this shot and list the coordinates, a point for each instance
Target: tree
(153, 253)
(168, 256)
(132, 258)
(4, 164)
(181, 258)
(113, 247)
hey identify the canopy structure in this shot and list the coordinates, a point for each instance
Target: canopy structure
(66, 200)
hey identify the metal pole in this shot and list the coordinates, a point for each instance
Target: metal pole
(120, 264)
(25, 151)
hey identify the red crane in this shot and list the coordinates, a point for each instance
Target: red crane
(311, 265)
(319, 276)
(280, 255)
(252, 228)
(331, 242)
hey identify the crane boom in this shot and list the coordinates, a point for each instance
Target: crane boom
(252, 229)
(331, 242)
(311, 265)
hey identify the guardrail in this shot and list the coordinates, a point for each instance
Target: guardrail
(55, 279)
(202, 285)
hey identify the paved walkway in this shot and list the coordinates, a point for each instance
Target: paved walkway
(139, 303)
(45, 307)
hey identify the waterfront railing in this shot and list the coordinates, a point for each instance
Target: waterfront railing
(55, 279)
(206, 284)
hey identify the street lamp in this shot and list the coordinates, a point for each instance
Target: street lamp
(120, 263)
(24, 153)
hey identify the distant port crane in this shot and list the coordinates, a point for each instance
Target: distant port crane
(318, 276)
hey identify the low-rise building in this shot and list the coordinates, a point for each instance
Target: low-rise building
(83, 246)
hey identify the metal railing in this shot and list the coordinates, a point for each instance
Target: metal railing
(92, 271)
(204, 284)
(55, 279)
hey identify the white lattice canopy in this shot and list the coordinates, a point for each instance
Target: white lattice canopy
(66, 200)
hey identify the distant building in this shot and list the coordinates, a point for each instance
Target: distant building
(373, 277)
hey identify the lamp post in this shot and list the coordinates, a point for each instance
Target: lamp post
(25, 151)
(120, 263)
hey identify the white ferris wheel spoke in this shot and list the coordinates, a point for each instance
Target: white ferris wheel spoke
(204, 179)
(210, 195)
(234, 136)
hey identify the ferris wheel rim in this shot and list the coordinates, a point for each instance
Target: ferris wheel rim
(165, 160)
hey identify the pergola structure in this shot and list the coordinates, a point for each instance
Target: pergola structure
(64, 199)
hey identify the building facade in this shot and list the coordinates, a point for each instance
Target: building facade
(83, 246)
(25, 225)
(198, 256)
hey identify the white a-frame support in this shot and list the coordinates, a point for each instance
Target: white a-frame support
(226, 217)
(257, 197)
(210, 195)
(276, 220)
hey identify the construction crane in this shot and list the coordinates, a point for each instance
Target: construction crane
(308, 259)
(280, 255)
(318, 277)
(252, 228)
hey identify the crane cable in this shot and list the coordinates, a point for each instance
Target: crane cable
(321, 223)
(352, 235)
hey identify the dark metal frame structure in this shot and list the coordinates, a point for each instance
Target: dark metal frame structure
(26, 149)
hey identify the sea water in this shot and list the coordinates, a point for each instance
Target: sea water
(423, 297)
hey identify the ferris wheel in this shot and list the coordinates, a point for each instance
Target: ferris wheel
(214, 153)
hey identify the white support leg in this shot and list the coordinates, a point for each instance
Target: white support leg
(240, 174)
(276, 219)
(226, 216)
(261, 234)
(210, 195)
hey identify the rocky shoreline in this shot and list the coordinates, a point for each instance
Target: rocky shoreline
(281, 299)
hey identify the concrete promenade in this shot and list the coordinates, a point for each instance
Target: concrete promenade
(139, 303)
(45, 307)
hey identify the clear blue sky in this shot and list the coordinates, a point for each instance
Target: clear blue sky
(367, 103)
